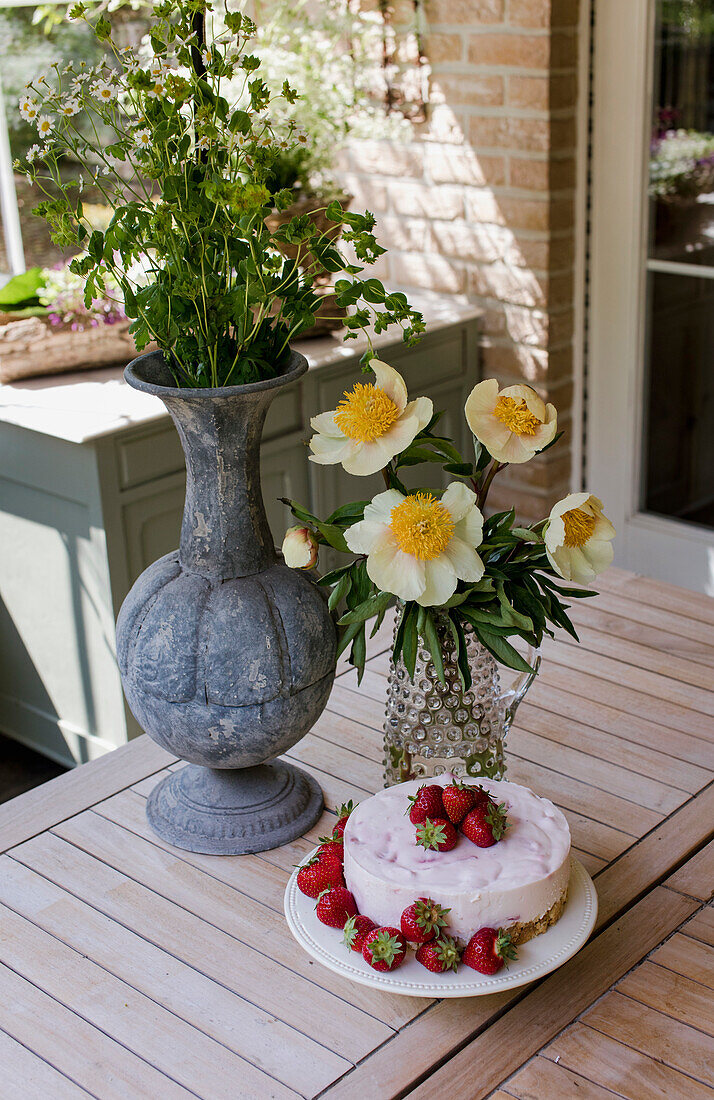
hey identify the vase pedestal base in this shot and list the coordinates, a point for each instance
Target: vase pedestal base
(234, 811)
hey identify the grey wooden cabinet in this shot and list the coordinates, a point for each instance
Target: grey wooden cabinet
(83, 512)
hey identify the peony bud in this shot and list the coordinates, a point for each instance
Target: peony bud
(300, 548)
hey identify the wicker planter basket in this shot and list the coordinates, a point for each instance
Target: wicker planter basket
(30, 346)
(329, 317)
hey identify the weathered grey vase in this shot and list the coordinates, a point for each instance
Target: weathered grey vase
(227, 656)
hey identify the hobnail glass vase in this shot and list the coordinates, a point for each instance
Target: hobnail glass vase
(431, 728)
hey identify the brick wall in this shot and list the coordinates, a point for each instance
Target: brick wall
(481, 203)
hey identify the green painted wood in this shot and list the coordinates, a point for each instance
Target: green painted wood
(79, 523)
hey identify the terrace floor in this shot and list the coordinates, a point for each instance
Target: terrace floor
(129, 968)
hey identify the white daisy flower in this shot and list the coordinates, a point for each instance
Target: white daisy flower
(158, 89)
(373, 423)
(28, 108)
(419, 547)
(44, 125)
(69, 108)
(203, 142)
(32, 153)
(157, 69)
(143, 138)
(104, 91)
(207, 57)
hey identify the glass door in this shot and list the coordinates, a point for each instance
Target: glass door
(678, 470)
(650, 375)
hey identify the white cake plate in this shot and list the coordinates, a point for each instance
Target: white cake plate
(536, 958)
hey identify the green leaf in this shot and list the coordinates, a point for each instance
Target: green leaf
(411, 640)
(352, 512)
(526, 535)
(503, 651)
(340, 591)
(367, 609)
(462, 657)
(350, 633)
(434, 646)
(21, 290)
(358, 656)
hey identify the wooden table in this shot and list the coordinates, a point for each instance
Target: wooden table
(130, 969)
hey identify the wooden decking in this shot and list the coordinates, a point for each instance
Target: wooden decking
(130, 969)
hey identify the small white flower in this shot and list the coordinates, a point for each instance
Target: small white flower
(28, 108)
(80, 183)
(143, 138)
(207, 57)
(44, 125)
(105, 91)
(69, 108)
(156, 68)
(32, 153)
(158, 89)
(106, 170)
(203, 142)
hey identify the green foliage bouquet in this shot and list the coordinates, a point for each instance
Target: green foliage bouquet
(188, 175)
(437, 557)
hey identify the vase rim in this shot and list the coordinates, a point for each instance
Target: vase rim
(297, 366)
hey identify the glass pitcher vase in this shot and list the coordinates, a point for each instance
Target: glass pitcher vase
(431, 728)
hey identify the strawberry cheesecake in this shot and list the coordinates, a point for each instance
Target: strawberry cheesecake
(518, 884)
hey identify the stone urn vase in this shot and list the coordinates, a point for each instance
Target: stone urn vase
(227, 656)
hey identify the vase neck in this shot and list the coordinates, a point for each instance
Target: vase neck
(225, 530)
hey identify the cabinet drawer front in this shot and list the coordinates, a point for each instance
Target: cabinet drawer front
(149, 455)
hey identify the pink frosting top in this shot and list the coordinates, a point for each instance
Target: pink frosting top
(381, 839)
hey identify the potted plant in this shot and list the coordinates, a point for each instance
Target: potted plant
(227, 656)
(681, 176)
(465, 585)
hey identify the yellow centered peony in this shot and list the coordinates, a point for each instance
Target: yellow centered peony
(422, 526)
(578, 538)
(513, 424)
(366, 413)
(371, 424)
(419, 547)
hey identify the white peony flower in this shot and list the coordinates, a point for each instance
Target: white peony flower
(371, 425)
(419, 547)
(299, 548)
(44, 125)
(513, 424)
(578, 538)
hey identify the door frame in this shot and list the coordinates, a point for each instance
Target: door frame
(667, 549)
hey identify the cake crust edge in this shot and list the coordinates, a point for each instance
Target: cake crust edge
(521, 932)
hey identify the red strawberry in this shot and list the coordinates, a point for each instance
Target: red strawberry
(423, 920)
(439, 955)
(437, 833)
(342, 815)
(335, 906)
(487, 950)
(427, 802)
(319, 875)
(486, 824)
(384, 948)
(459, 798)
(331, 849)
(356, 931)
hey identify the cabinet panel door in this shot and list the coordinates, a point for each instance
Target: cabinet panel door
(283, 474)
